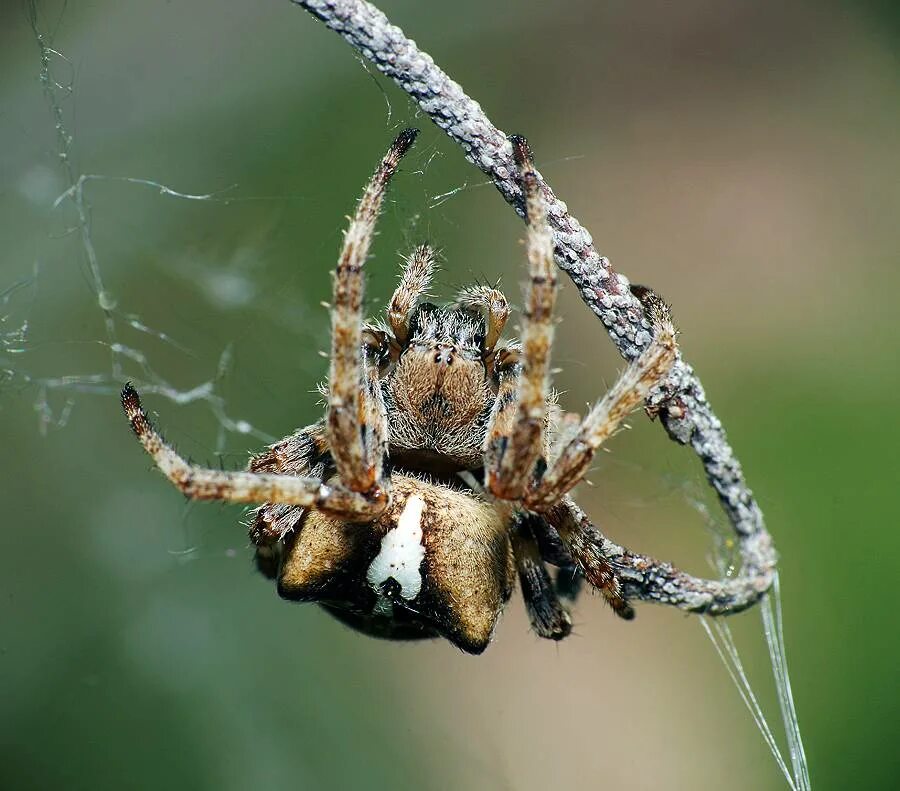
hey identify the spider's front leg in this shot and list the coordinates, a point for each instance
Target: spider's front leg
(515, 437)
(515, 440)
(356, 425)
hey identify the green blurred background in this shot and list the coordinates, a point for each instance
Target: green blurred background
(741, 157)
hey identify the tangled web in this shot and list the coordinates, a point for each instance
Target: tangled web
(55, 396)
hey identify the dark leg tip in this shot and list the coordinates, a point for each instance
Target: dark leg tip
(131, 402)
(404, 141)
(521, 151)
(525, 162)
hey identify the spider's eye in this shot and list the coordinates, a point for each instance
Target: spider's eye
(479, 340)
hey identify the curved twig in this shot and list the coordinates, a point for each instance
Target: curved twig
(681, 403)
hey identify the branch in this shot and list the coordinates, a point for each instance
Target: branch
(681, 403)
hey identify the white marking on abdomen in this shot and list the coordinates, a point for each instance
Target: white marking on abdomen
(401, 552)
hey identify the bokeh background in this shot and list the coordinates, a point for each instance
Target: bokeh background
(741, 157)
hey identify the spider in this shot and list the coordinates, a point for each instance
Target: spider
(442, 468)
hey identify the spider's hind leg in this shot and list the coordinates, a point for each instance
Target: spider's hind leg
(593, 554)
(569, 583)
(568, 578)
(548, 617)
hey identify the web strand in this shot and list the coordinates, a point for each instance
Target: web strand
(125, 361)
(719, 634)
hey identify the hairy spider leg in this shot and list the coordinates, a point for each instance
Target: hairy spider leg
(414, 282)
(513, 447)
(607, 415)
(516, 434)
(569, 576)
(495, 305)
(507, 373)
(591, 551)
(356, 424)
(575, 449)
(204, 483)
(548, 617)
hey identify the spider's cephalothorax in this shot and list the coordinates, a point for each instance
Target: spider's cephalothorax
(438, 391)
(442, 468)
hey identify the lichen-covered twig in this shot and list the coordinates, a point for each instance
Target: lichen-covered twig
(680, 404)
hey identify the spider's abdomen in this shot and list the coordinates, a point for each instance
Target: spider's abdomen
(438, 562)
